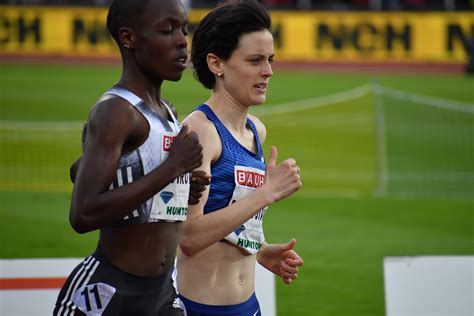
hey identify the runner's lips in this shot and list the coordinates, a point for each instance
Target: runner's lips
(182, 59)
(261, 85)
(181, 62)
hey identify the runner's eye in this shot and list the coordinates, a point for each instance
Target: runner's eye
(185, 30)
(255, 60)
(166, 29)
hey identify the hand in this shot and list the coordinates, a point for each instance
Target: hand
(281, 180)
(281, 259)
(199, 180)
(186, 152)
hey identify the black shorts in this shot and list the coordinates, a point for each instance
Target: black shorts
(96, 287)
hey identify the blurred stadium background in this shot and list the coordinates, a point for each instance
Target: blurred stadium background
(374, 98)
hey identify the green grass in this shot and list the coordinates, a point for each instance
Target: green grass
(333, 145)
(430, 150)
(36, 158)
(65, 93)
(343, 232)
(344, 241)
(36, 225)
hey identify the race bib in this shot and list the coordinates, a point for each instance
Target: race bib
(248, 236)
(171, 203)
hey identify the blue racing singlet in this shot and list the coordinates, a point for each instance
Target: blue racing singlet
(236, 173)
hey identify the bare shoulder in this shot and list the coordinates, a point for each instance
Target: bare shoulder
(114, 115)
(198, 122)
(112, 107)
(111, 103)
(207, 134)
(261, 130)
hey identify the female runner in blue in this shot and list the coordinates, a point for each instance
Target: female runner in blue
(232, 53)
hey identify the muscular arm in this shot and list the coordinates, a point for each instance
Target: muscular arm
(111, 125)
(199, 230)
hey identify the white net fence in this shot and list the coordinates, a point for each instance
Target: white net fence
(370, 140)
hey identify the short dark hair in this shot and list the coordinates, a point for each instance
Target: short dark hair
(219, 33)
(124, 13)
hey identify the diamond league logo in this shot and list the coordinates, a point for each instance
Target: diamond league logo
(239, 230)
(166, 196)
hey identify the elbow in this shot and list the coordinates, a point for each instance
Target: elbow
(78, 225)
(72, 175)
(73, 170)
(80, 222)
(189, 246)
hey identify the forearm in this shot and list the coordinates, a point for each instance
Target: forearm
(267, 260)
(261, 253)
(203, 230)
(91, 211)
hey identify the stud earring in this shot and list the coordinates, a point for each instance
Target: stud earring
(127, 45)
(219, 74)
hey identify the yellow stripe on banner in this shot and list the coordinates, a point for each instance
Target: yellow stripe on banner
(299, 36)
(53, 30)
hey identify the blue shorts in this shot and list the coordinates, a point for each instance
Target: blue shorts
(247, 308)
